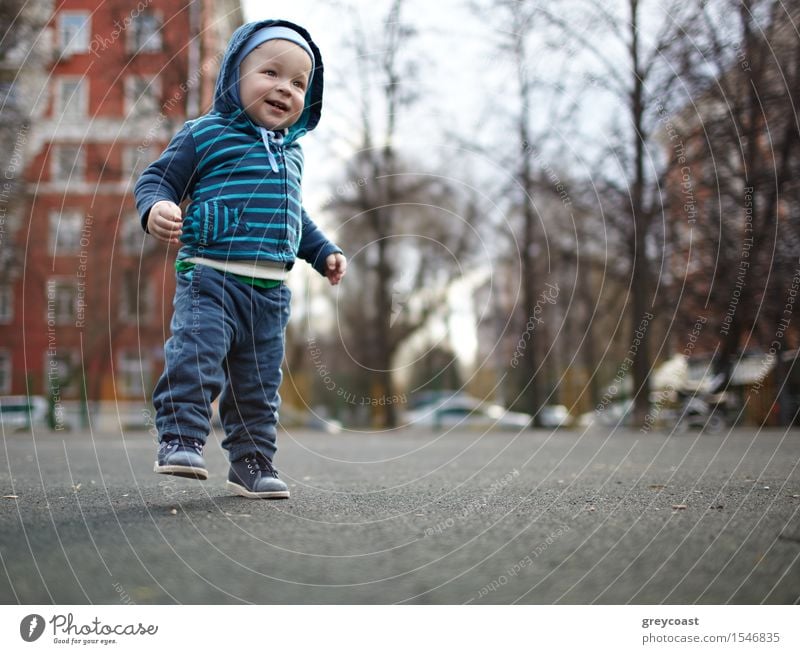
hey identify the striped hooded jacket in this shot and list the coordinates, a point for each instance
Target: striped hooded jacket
(243, 181)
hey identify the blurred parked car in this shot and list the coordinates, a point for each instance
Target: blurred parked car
(614, 414)
(291, 418)
(22, 411)
(554, 415)
(468, 412)
(432, 398)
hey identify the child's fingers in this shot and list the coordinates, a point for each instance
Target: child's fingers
(165, 228)
(165, 216)
(177, 223)
(335, 276)
(337, 263)
(173, 224)
(339, 267)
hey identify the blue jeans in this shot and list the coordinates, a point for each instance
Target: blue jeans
(227, 341)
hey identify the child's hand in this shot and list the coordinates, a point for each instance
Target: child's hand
(165, 221)
(335, 268)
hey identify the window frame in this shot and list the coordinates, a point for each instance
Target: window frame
(135, 45)
(60, 282)
(131, 156)
(71, 46)
(132, 99)
(81, 105)
(6, 304)
(138, 306)
(6, 370)
(131, 367)
(133, 239)
(56, 245)
(78, 171)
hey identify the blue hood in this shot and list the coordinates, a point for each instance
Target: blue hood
(224, 102)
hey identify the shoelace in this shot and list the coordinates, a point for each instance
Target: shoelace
(192, 443)
(261, 463)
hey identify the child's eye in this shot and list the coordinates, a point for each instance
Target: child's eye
(271, 73)
(299, 84)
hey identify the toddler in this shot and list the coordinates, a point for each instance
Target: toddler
(240, 166)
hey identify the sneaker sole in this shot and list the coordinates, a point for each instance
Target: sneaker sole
(182, 471)
(265, 495)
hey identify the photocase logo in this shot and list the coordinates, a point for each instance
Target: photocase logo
(31, 627)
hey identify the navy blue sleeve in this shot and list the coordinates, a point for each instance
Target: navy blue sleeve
(170, 177)
(314, 245)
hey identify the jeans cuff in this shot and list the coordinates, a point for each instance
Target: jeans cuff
(241, 451)
(176, 431)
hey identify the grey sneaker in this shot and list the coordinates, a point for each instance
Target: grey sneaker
(182, 457)
(254, 477)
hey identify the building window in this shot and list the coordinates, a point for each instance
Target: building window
(142, 95)
(62, 297)
(5, 372)
(65, 232)
(6, 304)
(73, 31)
(134, 240)
(72, 97)
(144, 34)
(135, 300)
(133, 374)
(135, 159)
(69, 163)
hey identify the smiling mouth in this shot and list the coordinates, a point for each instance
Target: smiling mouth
(278, 105)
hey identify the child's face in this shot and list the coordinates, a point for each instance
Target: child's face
(273, 80)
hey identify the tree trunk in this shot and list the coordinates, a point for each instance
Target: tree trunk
(640, 285)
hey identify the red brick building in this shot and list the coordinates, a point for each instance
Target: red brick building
(86, 310)
(733, 224)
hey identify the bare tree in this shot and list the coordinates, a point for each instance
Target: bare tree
(406, 225)
(523, 252)
(521, 25)
(637, 82)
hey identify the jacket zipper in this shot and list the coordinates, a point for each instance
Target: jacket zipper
(285, 198)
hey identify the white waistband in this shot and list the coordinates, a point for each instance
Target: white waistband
(245, 268)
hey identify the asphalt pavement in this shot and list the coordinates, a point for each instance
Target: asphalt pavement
(568, 517)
